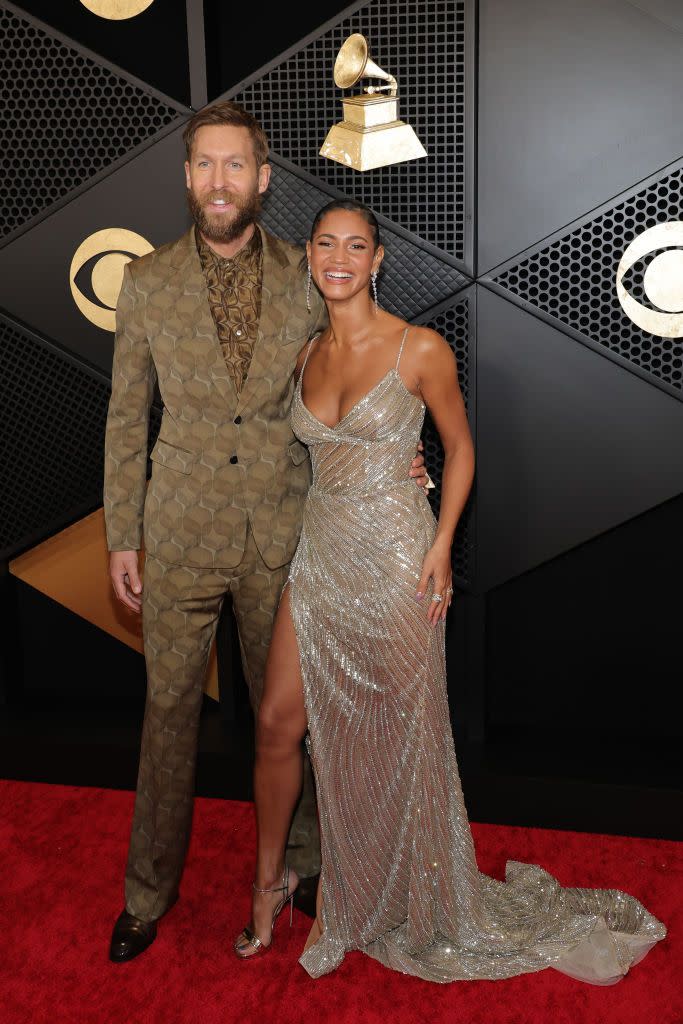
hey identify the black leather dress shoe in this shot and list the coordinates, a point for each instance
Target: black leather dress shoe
(305, 893)
(130, 937)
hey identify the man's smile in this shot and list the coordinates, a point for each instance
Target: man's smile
(219, 205)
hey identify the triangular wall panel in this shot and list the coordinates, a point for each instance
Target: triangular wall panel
(570, 279)
(411, 280)
(152, 44)
(577, 101)
(65, 118)
(568, 443)
(52, 414)
(428, 48)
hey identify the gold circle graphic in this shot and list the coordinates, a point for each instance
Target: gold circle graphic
(117, 10)
(115, 247)
(107, 275)
(662, 282)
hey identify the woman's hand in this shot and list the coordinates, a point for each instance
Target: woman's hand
(437, 567)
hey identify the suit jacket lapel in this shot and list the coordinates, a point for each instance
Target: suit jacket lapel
(195, 324)
(273, 319)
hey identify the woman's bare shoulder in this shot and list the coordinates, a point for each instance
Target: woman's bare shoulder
(426, 347)
(427, 354)
(425, 341)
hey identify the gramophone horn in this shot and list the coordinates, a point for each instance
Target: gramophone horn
(353, 63)
(370, 134)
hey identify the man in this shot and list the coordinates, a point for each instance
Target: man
(218, 318)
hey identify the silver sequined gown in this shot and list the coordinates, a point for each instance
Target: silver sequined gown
(399, 876)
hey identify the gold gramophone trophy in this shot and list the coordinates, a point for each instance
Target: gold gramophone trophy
(370, 135)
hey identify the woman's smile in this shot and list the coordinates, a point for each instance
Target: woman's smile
(337, 276)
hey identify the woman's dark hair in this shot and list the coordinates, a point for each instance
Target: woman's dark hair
(354, 207)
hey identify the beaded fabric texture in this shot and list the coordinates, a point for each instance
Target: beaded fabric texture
(399, 877)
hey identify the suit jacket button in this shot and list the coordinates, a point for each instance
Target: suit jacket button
(237, 420)
(233, 459)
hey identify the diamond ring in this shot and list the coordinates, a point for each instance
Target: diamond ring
(437, 597)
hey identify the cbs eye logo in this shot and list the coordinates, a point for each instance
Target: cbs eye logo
(662, 280)
(96, 272)
(117, 10)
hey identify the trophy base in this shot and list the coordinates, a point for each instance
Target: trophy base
(364, 149)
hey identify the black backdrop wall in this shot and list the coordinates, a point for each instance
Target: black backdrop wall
(554, 139)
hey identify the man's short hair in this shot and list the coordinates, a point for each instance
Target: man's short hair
(226, 112)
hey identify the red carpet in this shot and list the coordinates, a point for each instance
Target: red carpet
(62, 854)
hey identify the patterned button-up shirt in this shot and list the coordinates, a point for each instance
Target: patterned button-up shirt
(234, 286)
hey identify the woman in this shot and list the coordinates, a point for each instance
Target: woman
(357, 660)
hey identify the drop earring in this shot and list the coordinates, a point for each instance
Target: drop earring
(308, 289)
(373, 278)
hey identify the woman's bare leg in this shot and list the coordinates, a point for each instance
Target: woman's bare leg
(280, 728)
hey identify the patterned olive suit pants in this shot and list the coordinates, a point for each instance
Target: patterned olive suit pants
(180, 610)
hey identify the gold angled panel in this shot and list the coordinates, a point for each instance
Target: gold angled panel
(72, 568)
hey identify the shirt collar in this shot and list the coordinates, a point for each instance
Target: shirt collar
(244, 257)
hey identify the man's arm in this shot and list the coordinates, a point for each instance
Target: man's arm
(125, 451)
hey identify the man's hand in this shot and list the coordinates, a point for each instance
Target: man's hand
(417, 469)
(125, 578)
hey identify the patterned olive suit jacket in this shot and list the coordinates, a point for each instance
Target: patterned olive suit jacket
(222, 459)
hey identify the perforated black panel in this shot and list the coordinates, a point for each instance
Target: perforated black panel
(573, 279)
(52, 418)
(411, 280)
(423, 45)
(63, 118)
(454, 324)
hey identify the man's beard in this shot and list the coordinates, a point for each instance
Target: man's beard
(224, 227)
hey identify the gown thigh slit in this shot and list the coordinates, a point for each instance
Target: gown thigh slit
(399, 875)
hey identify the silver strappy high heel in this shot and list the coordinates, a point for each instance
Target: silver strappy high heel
(257, 946)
